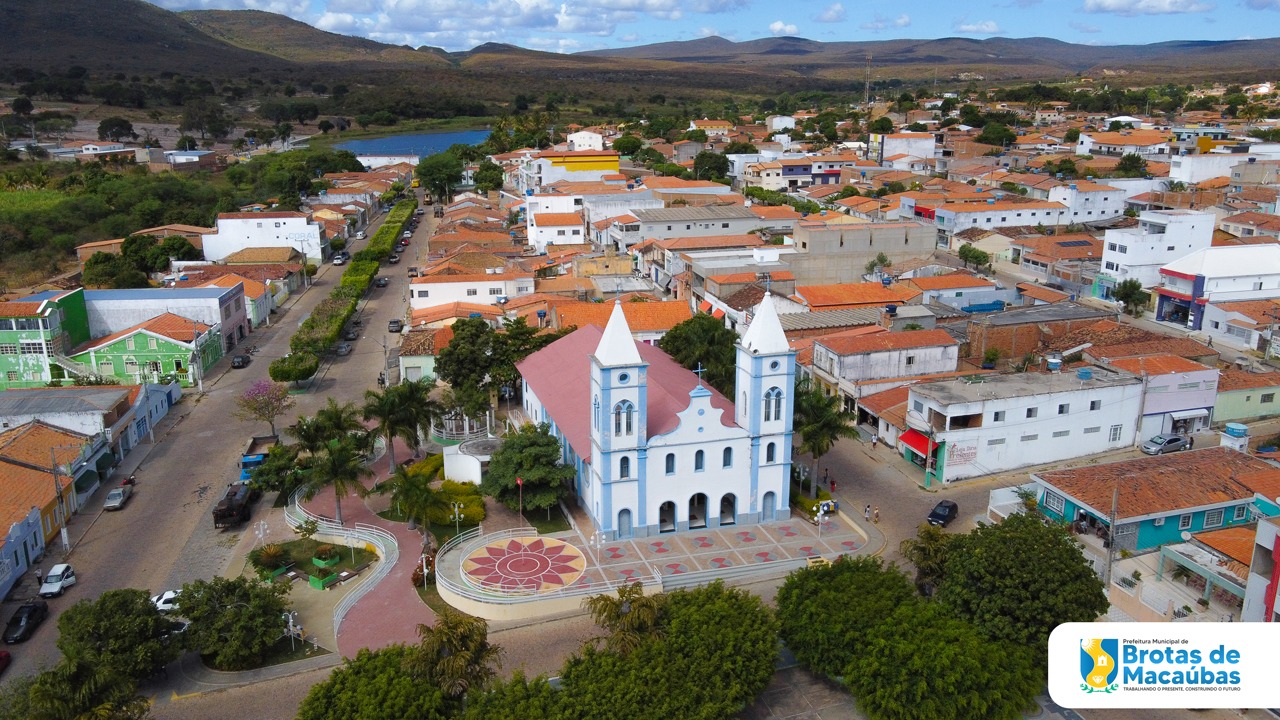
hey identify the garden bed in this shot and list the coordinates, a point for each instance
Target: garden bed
(300, 552)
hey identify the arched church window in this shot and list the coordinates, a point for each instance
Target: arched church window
(624, 418)
(773, 404)
(624, 467)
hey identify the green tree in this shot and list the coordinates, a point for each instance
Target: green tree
(116, 129)
(994, 133)
(340, 465)
(630, 618)
(922, 664)
(1130, 293)
(15, 698)
(294, 367)
(970, 254)
(488, 177)
(468, 360)
(820, 421)
(847, 191)
(324, 126)
(455, 654)
(1071, 136)
(78, 689)
(825, 613)
(1018, 579)
(627, 144)
(516, 342)
(392, 419)
(704, 341)
(374, 684)
(880, 125)
(927, 551)
(519, 697)
(695, 135)
(22, 106)
(532, 455)
(263, 401)
(281, 471)
(412, 495)
(121, 630)
(1131, 165)
(709, 165)
(234, 622)
(739, 147)
(187, 142)
(440, 173)
(880, 261)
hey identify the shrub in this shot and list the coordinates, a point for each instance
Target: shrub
(326, 552)
(269, 557)
(430, 466)
(452, 491)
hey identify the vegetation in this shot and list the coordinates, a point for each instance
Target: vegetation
(263, 401)
(820, 421)
(335, 444)
(528, 466)
(374, 681)
(970, 254)
(927, 551)
(479, 360)
(1130, 293)
(703, 342)
(121, 630)
(629, 619)
(234, 622)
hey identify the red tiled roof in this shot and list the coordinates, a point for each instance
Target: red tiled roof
(553, 219)
(1234, 542)
(1231, 379)
(885, 341)
(1041, 293)
(832, 297)
(641, 316)
(950, 281)
(436, 313)
(20, 309)
(1158, 365)
(169, 325)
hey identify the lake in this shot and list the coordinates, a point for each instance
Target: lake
(421, 144)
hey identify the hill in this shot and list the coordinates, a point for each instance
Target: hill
(299, 42)
(110, 36)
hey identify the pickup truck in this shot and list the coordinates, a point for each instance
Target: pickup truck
(234, 506)
(255, 453)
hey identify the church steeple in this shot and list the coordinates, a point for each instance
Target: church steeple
(617, 347)
(764, 335)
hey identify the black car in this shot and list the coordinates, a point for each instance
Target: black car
(240, 361)
(381, 282)
(350, 334)
(943, 513)
(25, 621)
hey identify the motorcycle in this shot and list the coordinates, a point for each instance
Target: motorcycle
(131, 480)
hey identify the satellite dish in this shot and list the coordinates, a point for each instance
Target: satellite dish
(1186, 535)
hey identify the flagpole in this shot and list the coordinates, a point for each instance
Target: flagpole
(520, 484)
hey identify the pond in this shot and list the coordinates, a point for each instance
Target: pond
(421, 144)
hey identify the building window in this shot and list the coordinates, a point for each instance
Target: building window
(773, 404)
(1055, 502)
(1029, 438)
(1114, 435)
(31, 347)
(1189, 386)
(1213, 518)
(623, 418)
(423, 293)
(996, 441)
(151, 343)
(699, 461)
(1240, 512)
(671, 463)
(12, 376)
(129, 344)
(9, 349)
(770, 453)
(1267, 397)
(917, 406)
(911, 360)
(624, 467)
(1032, 412)
(1184, 522)
(1095, 405)
(997, 416)
(1064, 408)
(1061, 433)
(472, 291)
(1092, 430)
(495, 291)
(728, 458)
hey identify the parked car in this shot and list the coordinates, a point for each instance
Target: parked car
(351, 334)
(118, 497)
(395, 326)
(381, 282)
(421, 211)
(166, 601)
(407, 234)
(25, 621)
(343, 348)
(360, 235)
(943, 513)
(393, 259)
(240, 361)
(5, 659)
(61, 577)
(339, 260)
(413, 271)
(1162, 444)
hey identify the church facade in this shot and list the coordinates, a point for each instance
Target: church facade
(654, 450)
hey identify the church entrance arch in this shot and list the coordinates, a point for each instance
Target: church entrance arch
(728, 509)
(667, 517)
(698, 511)
(624, 524)
(769, 508)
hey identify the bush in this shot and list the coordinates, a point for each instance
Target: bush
(429, 466)
(295, 367)
(452, 491)
(269, 557)
(326, 552)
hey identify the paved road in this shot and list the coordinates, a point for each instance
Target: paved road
(164, 537)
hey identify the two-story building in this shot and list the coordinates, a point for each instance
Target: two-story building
(1150, 144)
(286, 228)
(555, 228)
(981, 425)
(35, 336)
(696, 221)
(842, 360)
(123, 416)
(1213, 274)
(1160, 237)
(165, 347)
(486, 288)
(885, 145)
(954, 217)
(1178, 394)
(550, 166)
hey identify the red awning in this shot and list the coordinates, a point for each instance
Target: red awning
(717, 313)
(915, 441)
(704, 306)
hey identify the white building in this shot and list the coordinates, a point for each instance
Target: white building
(585, 140)
(952, 218)
(1192, 169)
(555, 228)
(779, 123)
(373, 162)
(843, 361)
(488, 288)
(654, 451)
(1161, 236)
(1089, 202)
(237, 231)
(1179, 394)
(1150, 144)
(1216, 274)
(696, 221)
(887, 145)
(987, 424)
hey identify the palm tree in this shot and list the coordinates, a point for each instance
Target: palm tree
(455, 654)
(820, 422)
(338, 420)
(412, 495)
(392, 418)
(424, 409)
(928, 552)
(630, 618)
(340, 465)
(76, 688)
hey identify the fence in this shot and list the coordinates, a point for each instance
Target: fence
(383, 542)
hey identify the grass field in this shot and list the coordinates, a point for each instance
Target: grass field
(29, 200)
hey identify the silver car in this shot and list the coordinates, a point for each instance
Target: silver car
(118, 497)
(1162, 444)
(343, 348)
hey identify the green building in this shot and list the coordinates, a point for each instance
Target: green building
(164, 346)
(36, 337)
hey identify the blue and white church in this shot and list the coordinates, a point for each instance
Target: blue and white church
(655, 451)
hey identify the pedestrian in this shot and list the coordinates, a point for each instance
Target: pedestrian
(875, 439)
(876, 512)
(867, 513)
(37, 577)
(1210, 342)
(826, 477)
(833, 486)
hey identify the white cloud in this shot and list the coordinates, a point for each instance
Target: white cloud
(707, 32)
(833, 14)
(880, 22)
(981, 27)
(629, 38)
(1084, 28)
(777, 27)
(1146, 7)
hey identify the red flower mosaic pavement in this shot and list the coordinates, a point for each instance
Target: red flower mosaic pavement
(527, 564)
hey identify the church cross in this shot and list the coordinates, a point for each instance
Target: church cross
(699, 372)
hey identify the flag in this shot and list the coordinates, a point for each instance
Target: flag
(519, 481)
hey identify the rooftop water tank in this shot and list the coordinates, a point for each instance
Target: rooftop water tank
(1237, 430)
(1054, 361)
(886, 281)
(1085, 373)
(891, 310)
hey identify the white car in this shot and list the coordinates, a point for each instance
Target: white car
(166, 601)
(58, 580)
(407, 234)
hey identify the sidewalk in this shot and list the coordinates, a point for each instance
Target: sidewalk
(188, 676)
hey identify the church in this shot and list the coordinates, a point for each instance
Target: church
(654, 450)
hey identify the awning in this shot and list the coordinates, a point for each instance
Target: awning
(717, 313)
(916, 441)
(704, 306)
(1187, 414)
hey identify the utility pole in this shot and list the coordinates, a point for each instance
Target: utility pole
(866, 88)
(1111, 535)
(197, 367)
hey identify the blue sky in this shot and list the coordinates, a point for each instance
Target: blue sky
(574, 25)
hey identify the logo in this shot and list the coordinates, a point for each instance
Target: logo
(1098, 665)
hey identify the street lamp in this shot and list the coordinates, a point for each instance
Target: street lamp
(457, 518)
(291, 618)
(385, 359)
(60, 512)
(597, 543)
